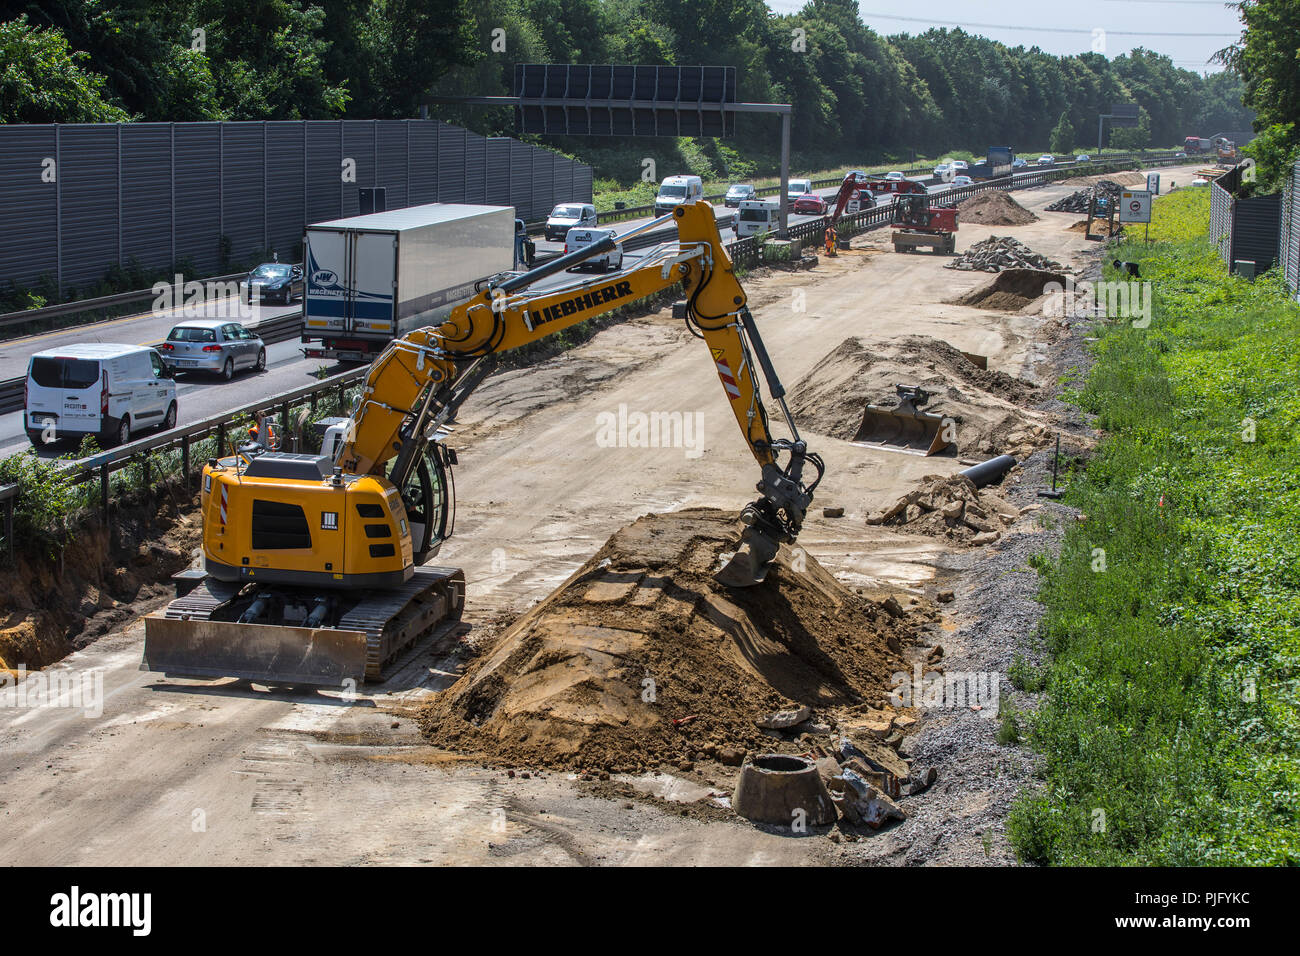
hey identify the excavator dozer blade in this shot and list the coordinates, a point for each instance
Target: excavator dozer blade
(267, 653)
(916, 432)
(187, 640)
(748, 566)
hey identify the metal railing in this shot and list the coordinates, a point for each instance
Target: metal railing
(9, 319)
(102, 466)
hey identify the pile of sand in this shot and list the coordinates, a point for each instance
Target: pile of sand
(986, 404)
(641, 657)
(949, 506)
(994, 208)
(1100, 226)
(1011, 290)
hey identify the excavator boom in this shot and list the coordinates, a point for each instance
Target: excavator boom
(299, 549)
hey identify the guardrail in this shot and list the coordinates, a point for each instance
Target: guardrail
(86, 305)
(102, 466)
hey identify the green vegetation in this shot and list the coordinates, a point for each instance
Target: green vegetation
(1265, 59)
(1170, 730)
(859, 97)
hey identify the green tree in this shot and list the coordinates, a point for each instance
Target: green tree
(42, 80)
(1062, 140)
(1268, 59)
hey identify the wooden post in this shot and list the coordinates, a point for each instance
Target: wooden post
(185, 460)
(103, 492)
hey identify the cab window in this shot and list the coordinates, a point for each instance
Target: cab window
(156, 362)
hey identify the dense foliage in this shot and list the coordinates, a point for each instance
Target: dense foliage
(1268, 60)
(67, 60)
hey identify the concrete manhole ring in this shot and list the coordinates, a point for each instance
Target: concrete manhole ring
(782, 789)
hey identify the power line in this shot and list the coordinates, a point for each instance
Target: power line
(1024, 29)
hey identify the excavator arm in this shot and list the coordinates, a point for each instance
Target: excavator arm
(414, 385)
(314, 571)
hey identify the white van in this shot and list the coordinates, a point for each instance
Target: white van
(581, 238)
(797, 187)
(676, 190)
(757, 216)
(109, 391)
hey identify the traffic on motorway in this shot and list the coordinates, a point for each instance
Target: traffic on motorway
(177, 363)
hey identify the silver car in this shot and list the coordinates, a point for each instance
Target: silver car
(213, 345)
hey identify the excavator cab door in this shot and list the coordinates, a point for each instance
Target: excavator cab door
(427, 497)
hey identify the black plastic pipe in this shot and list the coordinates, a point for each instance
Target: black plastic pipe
(987, 472)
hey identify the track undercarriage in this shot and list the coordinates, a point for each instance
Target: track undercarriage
(295, 635)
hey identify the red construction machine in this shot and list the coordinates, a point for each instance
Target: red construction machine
(915, 222)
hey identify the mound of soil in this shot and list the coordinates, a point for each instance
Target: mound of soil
(641, 657)
(1100, 226)
(831, 400)
(1011, 290)
(994, 208)
(949, 506)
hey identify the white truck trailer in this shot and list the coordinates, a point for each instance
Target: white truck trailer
(372, 278)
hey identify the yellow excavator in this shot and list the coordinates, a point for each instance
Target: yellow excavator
(314, 564)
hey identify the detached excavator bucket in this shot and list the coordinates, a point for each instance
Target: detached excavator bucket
(905, 427)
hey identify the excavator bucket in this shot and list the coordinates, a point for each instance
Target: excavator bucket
(905, 427)
(748, 566)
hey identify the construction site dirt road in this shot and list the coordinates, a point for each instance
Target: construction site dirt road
(224, 773)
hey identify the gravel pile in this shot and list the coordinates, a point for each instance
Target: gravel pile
(1079, 200)
(1000, 252)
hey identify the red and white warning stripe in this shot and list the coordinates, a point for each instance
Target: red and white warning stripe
(728, 380)
(223, 502)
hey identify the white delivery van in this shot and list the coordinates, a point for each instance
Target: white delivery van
(797, 187)
(756, 216)
(581, 238)
(109, 391)
(676, 190)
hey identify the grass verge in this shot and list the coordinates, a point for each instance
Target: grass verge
(1172, 625)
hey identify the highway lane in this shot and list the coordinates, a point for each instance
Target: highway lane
(200, 396)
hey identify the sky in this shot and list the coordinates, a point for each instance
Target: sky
(1065, 28)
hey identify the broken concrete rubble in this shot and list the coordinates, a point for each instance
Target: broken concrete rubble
(949, 506)
(1001, 252)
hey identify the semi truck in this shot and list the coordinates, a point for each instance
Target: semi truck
(371, 279)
